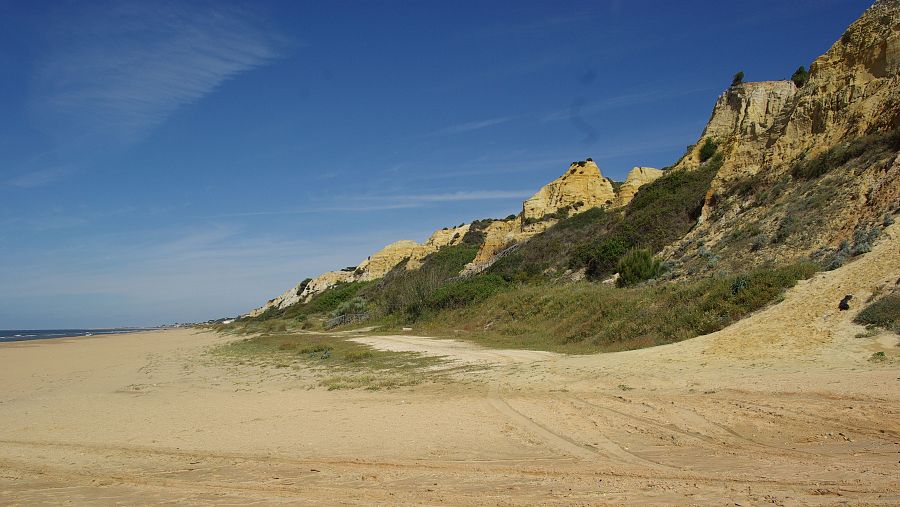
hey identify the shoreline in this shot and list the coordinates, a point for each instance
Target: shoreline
(83, 333)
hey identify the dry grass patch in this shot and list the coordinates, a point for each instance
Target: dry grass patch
(336, 361)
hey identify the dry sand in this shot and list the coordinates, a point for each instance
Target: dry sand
(781, 408)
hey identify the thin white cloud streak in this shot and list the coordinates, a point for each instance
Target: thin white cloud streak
(630, 99)
(475, 195)
(394, 202)
(470, 126)
(129, 66)
(39, 177)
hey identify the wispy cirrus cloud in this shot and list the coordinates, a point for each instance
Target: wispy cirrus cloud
(39, 177)
(470, 126)
(368, 203)
(582, 107)
(116, 70)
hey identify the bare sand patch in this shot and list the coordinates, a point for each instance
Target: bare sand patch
(782, 408)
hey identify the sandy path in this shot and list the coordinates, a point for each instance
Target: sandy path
(782, 408)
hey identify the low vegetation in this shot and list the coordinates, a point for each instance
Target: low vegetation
(661, 212)
(708, 149)
(800, 77)
(335, 362)
(585, 317)
(408, 293)
(870, 146)
(637, 266)
(321, 304)
(883, 313)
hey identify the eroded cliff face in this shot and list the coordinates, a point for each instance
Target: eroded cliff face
(762, 130)
(766, 130)
(443, 237)
(740, 120)
(499, 235)
(375, 266)
(581, 187)
(852, 91)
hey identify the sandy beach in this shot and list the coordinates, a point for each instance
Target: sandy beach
(785, 407)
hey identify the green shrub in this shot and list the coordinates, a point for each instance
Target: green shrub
(842, 153)
(661, 212)
(883, 313)
(585, 317)
(355, 305)
(738, 284)
(407, 292)
(800, 77)
(475, 235)
(467, 291)
(331, 299)
(738, 78)
(302, 286)
(636, 266)
(759, 242)
(602, 258)
(708, 149)
(863, 239)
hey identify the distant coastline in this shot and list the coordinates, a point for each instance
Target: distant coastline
(18, 335)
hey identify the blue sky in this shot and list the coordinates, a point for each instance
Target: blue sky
(180, 161)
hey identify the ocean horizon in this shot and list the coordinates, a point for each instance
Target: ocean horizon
(17, 335)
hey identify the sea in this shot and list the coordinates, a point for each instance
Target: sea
(18, 335)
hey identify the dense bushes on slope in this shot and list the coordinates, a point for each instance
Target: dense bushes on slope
(661, 212)
(587, 317)
(407, 292)
(869, 146)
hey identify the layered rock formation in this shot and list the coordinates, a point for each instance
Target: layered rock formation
(580, 188)
(743, 114)
(852, 91)
(765, 130)
(382, 261)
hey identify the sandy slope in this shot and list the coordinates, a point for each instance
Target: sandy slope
(781, 408)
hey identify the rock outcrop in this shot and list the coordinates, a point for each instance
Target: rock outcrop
(580, 188)
(441, 238)
(636, 178)
(375, 266)
(852, 91)
(382, 261)
(499, 235)
(766, 130)
(741, 117)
